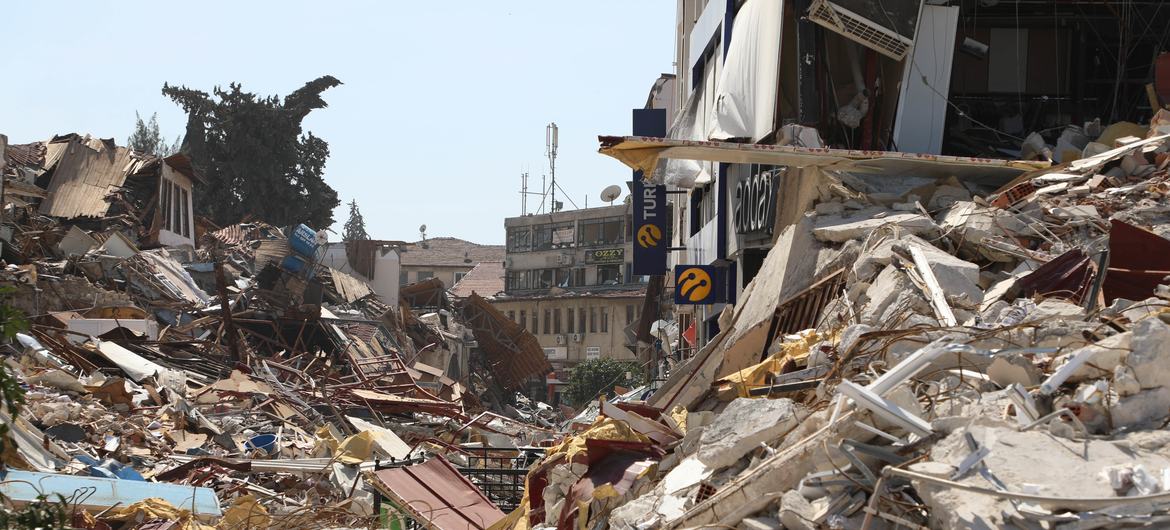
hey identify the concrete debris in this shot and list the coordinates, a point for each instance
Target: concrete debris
(928, 342)
(969, 357)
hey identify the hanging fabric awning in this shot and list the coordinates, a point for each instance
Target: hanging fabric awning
(644, 153)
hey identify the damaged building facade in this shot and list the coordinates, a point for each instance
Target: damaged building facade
(568, 279)
(1023, 80)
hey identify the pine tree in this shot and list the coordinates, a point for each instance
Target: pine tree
(148, 139)
(355, 227)
(257, 159)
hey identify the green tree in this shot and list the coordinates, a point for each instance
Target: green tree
(147, 138)
(355, 227)
(255, 156)
(44, 513)
(595, 376)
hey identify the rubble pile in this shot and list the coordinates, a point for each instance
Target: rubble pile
(237, 382)
(964, 356)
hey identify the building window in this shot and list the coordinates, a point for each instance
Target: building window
(607, 231)
(175, 202)
(459, 276)
(512, 316)
(609, 275)
(523, 319)
(631, 278)
(546, 237)
(557, 321)
(578, 277)
(593, 320)
(581, 320)
(545, 278)
(403, 278)
(569, 322)
(519, 239)
(629, 314)
(547, 321)
(604, 319)
(425, 275)
(535, 321)
(517, 280)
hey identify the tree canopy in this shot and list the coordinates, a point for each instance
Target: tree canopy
(595, 376)
(355, 227)
(258, 161)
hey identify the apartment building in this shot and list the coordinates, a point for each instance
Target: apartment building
(567, 279)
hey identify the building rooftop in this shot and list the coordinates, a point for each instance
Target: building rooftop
(486, 279)
(448, 252)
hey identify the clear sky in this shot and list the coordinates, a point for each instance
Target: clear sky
(444, 103)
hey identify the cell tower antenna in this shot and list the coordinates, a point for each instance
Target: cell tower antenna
(550, 150)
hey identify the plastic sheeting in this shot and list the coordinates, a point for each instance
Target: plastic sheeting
(745, 101)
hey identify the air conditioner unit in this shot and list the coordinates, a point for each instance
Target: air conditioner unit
(560, 339)
(507, 263)
(888, 31)
(577, 337)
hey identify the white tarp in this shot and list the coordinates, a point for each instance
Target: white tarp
(135, 366)
(680, 172)
(922, 105)
(745, 102)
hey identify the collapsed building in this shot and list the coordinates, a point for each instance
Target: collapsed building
(180, 374)
(945, 353)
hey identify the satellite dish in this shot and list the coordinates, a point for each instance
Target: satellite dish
(611, 193)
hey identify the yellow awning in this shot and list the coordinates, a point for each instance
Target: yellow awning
(643, 153)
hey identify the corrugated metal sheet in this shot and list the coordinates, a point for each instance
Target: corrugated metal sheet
(435, 493)
(1139, 260)
(349, 287)
(511, 353)
(85, 171)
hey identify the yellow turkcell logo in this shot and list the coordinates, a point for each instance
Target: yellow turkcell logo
(649, 236)
(694, 284)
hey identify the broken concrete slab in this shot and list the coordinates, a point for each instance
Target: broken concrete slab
(742, 425)
(857, 226)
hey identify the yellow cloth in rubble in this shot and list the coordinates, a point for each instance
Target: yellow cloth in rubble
(757, 375)
(244, 513)
(353, 450)
(155, 508)
(603, 428)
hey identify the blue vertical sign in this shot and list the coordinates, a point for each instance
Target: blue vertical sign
(650, 230)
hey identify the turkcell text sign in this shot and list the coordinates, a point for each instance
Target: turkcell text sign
(698, 284)
(650, 241)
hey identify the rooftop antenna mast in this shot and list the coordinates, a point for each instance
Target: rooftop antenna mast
(550, 150)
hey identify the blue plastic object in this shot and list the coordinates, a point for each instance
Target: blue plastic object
(303, 241)
(264, 442)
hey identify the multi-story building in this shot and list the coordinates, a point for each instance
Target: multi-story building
(568, 281)
(445, 258)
